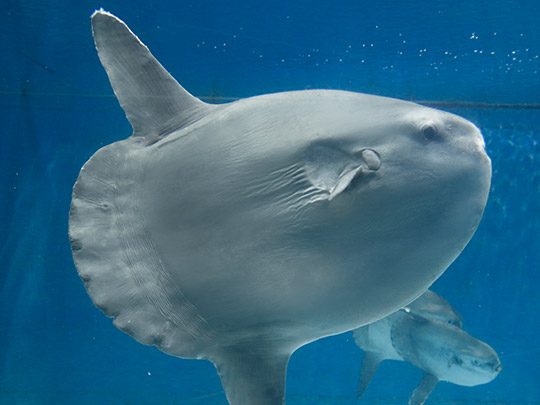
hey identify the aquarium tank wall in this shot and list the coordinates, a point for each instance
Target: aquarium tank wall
(476, 59)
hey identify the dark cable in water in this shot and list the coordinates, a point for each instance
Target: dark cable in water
(35, 61)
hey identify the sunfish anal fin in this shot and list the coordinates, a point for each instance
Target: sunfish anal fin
(154, 103)
(424, 389)
(369, 366)
(252, 379)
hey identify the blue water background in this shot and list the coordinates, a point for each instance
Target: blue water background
(57, 109)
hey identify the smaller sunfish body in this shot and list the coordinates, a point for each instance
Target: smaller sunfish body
(427, 334)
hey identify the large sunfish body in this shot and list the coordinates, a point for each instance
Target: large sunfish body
(240, 232)
(427, 334)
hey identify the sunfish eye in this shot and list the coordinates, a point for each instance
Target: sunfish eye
(428, 130)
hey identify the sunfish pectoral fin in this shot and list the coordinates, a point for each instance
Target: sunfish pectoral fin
(154, 103)
(252, 379)
(369, 366)
(344, 181)
(424, 389)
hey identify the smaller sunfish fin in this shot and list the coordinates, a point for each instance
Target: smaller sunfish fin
(154, 103)
(369, 366)
(424, 389)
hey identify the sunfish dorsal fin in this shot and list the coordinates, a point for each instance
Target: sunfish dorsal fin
(154, 103)
(424, 389)
(369, 366)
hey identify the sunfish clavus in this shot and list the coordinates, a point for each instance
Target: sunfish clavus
(240, 232)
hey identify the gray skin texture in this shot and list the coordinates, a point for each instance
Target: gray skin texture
(240, 232)
(427, 333)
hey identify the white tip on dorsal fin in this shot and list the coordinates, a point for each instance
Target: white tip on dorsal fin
(154, 103)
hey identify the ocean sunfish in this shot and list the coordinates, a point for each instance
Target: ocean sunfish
(239, 232)
(433, 342)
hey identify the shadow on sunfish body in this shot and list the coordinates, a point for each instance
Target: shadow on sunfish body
(240, 232)
(427, 333)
